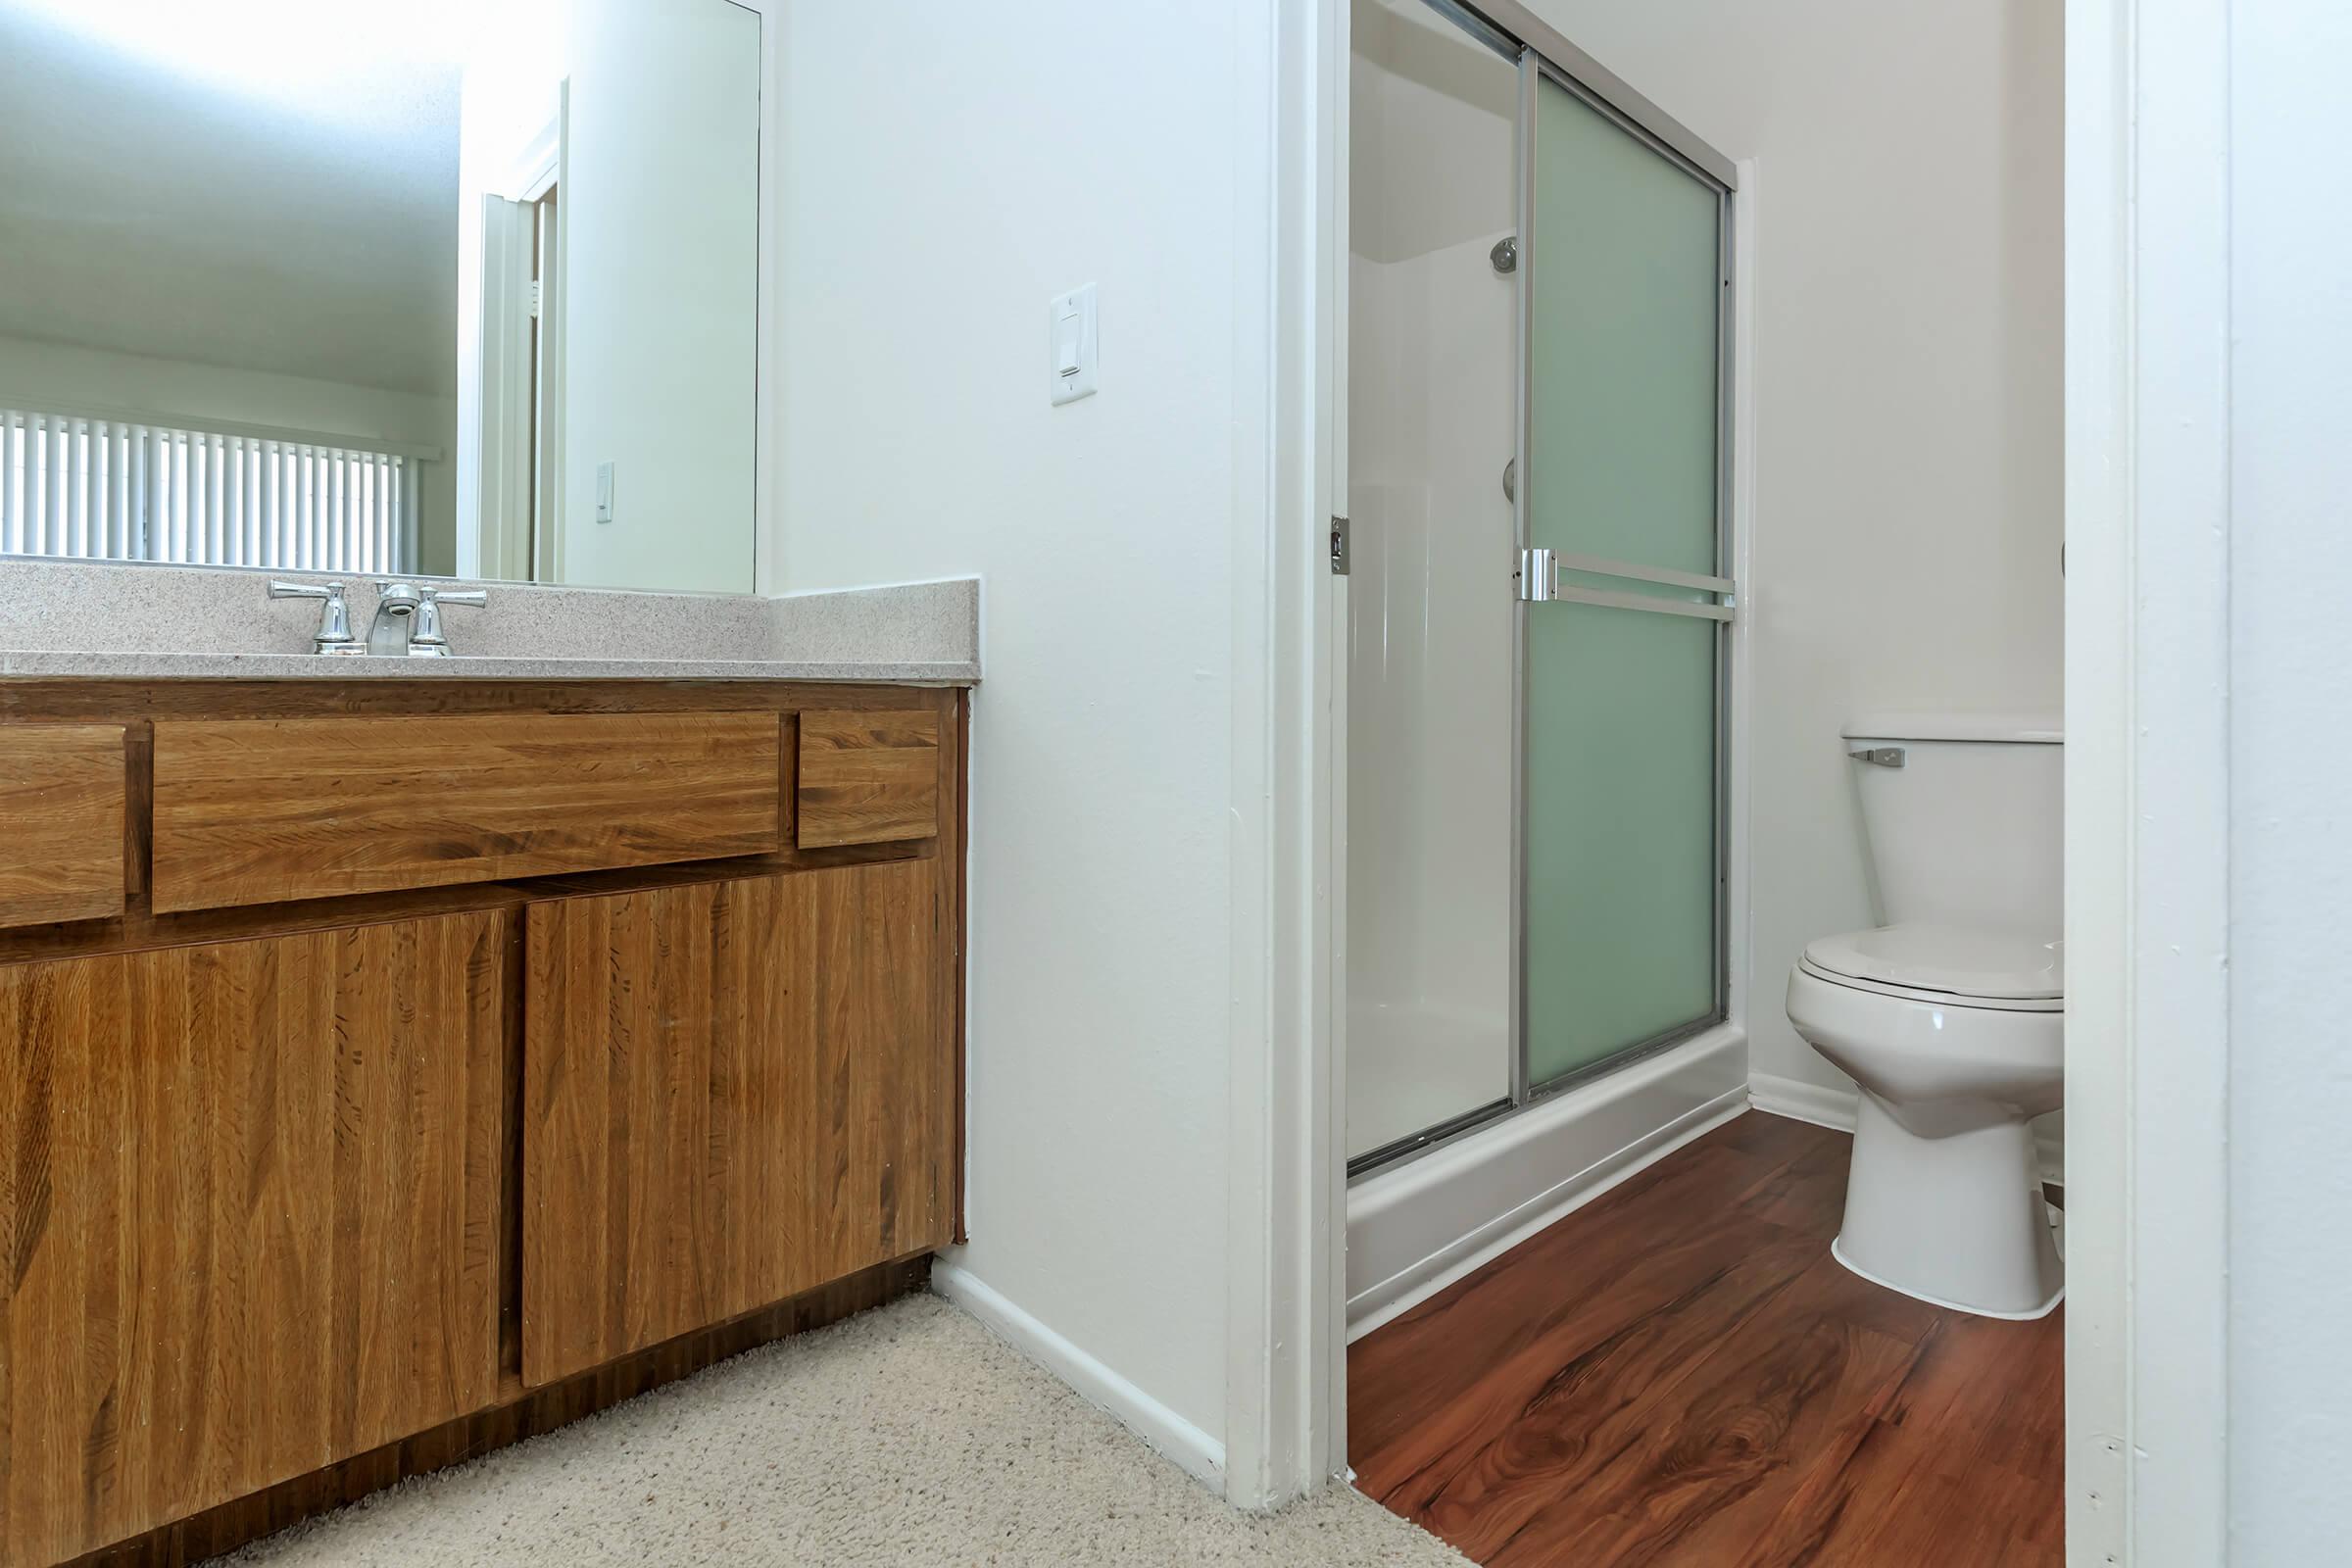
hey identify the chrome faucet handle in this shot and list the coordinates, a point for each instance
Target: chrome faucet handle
(334, 615)
(427, 640)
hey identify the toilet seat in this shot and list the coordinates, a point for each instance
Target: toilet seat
(1955, 965)
(1945, 999)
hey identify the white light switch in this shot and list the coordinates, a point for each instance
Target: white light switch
(1073, 361)
(603, 492)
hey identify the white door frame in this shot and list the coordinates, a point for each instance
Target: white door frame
(1287, 1193)
(1286, 1388)
(2147, 278)
(2147, 312)
(503, 403)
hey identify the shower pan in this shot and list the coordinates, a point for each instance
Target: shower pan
(1539, 591)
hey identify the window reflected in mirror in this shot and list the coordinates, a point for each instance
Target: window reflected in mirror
(454, 288)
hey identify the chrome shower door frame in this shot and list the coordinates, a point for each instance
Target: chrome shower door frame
(1541, 52)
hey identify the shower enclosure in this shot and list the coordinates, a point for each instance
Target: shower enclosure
(1538, 589)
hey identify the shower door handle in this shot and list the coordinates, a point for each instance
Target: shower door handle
(1540, 583)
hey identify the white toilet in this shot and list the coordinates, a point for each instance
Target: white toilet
(1951, 1017)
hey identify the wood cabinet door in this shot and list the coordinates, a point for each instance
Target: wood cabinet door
(732, 1093)
(249, 1199)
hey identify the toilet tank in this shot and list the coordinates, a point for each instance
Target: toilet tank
(1968, 831)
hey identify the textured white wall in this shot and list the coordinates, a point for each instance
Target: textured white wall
(948, 170)
(1908, 429)
(2290, 860)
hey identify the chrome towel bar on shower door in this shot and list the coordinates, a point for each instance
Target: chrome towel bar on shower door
(1540, 583)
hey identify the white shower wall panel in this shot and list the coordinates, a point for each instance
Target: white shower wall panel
(1430, 908)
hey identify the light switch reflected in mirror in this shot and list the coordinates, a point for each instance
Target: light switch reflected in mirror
(452, 288)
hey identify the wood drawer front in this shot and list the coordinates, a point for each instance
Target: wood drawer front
(263, 810)
(253, 1192)
(732, 1092)
(867, 778)
(60, 822)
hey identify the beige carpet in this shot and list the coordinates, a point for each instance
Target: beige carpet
(906, 1436)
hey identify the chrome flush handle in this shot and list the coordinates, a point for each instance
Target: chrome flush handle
(1879, 755)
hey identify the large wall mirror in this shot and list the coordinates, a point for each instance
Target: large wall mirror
(458, 287)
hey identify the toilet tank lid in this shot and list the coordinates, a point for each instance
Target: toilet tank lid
(2039, 729)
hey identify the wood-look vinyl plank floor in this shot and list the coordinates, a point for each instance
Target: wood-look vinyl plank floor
(1679, 1375)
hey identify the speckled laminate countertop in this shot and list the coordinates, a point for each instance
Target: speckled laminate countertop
(77, 619)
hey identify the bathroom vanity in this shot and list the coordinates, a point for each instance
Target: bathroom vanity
(469, 951)
(396, 1062)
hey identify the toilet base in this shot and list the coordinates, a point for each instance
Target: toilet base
(1837, 1251)
(1958, 1221)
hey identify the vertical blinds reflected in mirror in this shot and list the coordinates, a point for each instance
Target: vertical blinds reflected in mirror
(110, 490)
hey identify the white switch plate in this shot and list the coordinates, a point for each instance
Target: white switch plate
(603, 492)
(1071, 361)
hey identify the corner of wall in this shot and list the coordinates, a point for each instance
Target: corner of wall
(1168, 1433)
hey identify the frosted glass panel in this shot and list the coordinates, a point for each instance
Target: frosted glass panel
(1620, 830)
(1625, 274)
(1620, 725)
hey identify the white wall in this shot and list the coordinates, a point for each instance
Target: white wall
(2289, 860)
(138, 383)
(947, 169)
(661, 215)
(1432, 388)
(1908, 428)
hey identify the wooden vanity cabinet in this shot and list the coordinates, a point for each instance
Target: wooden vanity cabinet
(733, 1091)
(391, 1070)
(250, 1197)
(265, 811)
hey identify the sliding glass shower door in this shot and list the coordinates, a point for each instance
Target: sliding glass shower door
(1623, 586)
(1432, 424)
(1540, 600)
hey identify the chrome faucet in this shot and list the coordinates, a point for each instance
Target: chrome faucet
(395, 618)
(407, 620)
(407, 624)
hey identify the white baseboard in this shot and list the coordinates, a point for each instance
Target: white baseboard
(1414, 1231)
(1834, 1107)
(1801, 1101)
(1167, 1432)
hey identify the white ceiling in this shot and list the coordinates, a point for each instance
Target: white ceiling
(298, 214)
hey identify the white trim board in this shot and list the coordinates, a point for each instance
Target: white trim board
(1834, 1109)
(1285, 1194)
(1166, 1432)
(1419, 1228)
(2152, 114)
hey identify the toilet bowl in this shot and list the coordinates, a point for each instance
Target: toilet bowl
(1949, 1019)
